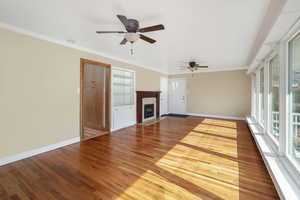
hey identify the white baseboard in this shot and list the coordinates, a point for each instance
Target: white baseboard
(216, 116)
(27, 154)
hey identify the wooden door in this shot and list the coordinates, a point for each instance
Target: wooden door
(95, 98)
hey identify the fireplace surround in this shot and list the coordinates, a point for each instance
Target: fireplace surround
(143, 98)
(149, 109)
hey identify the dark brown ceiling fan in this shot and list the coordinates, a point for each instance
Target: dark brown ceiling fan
(133, 30)
(193, 66)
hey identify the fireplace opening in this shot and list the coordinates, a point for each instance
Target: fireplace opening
(148, 110)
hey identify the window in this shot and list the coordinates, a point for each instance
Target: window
(261, 96)
(123, 87)
(257, 95)
(254, 106)
(274, 96)
(294, 99)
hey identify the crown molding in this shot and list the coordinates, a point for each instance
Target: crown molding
(88, 50)
(211, 70)
(74, 46)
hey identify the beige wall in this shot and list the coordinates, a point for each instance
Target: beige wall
(39, 104)
(218, 93)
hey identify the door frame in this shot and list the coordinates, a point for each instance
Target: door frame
(185, 94)
(84, 61)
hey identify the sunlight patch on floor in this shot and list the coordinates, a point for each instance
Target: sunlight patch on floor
(204, 161)
(151, 185)
(218, 122)
(217, 130)
(209, 172)
(211, 143)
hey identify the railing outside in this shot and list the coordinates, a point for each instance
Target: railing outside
(295, 128)
(275, 123)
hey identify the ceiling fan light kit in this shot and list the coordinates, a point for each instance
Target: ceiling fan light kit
(132, 37)
(194, 66)
(132, 31)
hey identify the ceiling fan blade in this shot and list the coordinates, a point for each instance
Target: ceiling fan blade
(199, 66)
(123, 19)
(110, 32)
(147, 39)
(152, 28)
(124, 41)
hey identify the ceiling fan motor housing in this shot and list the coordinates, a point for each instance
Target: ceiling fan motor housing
(132, 25)
(192, 64)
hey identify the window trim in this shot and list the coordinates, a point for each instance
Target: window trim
(280, 151)
(253, 96)
(261, 115)
(257, 102)
(290, 163)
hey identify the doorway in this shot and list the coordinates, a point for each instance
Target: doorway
(94, 98)
(163, 95)
(177, 88)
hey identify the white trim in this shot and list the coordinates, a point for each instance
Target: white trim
(253, 95)
(211, 70)
(276, 165)
(27, 154)
(216, 116)
(290, 164)
(88, 50)
(283, 98)
(292, 32)
(117, 129)
(74, 46)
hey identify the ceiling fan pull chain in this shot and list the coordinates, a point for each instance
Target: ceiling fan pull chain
(131, 50)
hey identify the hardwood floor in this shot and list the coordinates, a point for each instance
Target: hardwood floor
(177, 158)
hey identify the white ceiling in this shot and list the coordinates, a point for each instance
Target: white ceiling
(220, 33)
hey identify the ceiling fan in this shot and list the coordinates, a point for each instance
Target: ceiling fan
(193, 66)
(133, 30)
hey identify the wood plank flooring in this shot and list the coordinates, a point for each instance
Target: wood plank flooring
(177, 158)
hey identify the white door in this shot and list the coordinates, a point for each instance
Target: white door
(163, 95)
(177, 97)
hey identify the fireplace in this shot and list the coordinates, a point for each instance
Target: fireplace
(147, 106)
(148, 111)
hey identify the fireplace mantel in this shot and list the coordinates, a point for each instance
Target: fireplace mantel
(139, 103)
